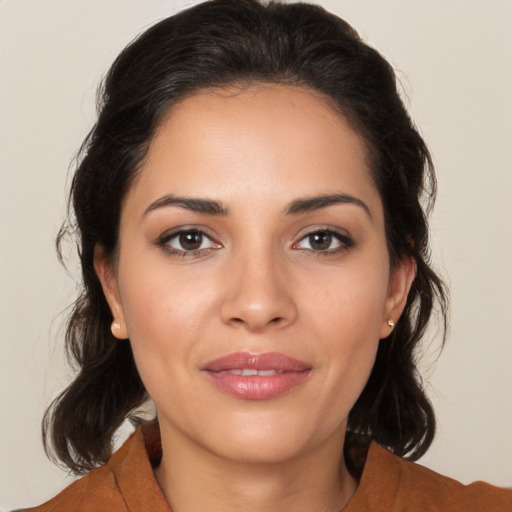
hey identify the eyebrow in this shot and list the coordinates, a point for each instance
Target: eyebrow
(296, 207)
(309, 204)
(204, 206)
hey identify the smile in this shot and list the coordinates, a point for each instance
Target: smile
(250, 372)
(256, 376)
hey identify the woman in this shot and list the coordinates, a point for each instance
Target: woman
(255, 260)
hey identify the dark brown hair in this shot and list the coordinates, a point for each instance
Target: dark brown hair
(239, 42)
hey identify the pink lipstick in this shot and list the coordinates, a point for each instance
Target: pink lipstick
(256, 376)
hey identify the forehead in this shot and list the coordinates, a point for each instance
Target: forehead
(266, 140)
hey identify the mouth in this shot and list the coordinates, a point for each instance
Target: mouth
(256, 376)
(250, 372)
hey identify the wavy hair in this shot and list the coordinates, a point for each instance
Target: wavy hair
(218, 44)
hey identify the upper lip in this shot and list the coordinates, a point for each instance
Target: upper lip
(261, 361)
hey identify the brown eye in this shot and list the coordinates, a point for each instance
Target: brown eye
(325, 241)
(320, 241)
(190, 240)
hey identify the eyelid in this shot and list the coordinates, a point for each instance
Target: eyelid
(345, 239)
(342, 236)
(163, 240)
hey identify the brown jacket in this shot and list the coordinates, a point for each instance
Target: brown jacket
(388, 484)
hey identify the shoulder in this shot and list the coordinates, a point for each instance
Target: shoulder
(125, 483)
(96, 489)
(393, 484)
(424, 487)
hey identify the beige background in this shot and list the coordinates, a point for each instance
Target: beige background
(454, 59)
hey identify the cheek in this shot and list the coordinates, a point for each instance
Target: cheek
(165, 313)
(159, 295)
(352, 300)
(347, 315)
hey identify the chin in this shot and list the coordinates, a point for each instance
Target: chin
(262, 450)
(267, 441)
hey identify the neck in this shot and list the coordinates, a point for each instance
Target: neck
(193, 478)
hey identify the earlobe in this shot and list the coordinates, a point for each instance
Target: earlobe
(106, 275)
(400, 283)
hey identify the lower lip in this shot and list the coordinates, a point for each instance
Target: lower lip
(257, 387)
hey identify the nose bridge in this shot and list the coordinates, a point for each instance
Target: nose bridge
(258, 294)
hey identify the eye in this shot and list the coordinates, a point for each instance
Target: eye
(187, 241)
(324, 240)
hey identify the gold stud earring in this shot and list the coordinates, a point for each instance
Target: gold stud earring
(391, 323)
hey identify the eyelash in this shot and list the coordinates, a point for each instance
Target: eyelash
(345, 241)
(164, 243)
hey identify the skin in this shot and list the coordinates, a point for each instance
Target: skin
(258, 283)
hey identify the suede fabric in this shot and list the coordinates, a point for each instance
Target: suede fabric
(388, 484)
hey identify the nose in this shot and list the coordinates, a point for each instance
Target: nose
(258, 295)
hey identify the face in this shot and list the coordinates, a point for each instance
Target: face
(253, 278)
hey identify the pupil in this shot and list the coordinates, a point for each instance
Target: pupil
(320, 241)
(191, 240)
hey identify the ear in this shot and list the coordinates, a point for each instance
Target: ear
(400, 282)
(106, 274)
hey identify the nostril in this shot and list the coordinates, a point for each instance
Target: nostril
(236, 321)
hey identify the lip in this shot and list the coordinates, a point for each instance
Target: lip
(286, 373)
